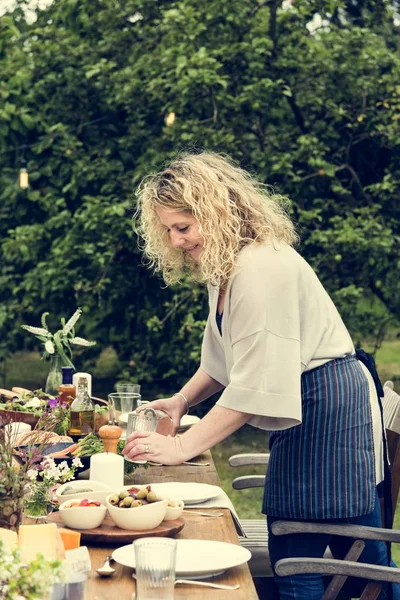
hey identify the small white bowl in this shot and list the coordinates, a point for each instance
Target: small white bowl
(174, 512)
(100, 491)
(148, 516)
(82, 517)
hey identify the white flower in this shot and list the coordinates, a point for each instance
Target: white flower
(72, 321)
(49, 463)
(36, 330)
(76, 462)
(81, 342)
(31, 474)
(49, 347)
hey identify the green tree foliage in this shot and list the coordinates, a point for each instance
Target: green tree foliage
(310, 103)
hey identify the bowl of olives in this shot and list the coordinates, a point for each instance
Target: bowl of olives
(136, 508)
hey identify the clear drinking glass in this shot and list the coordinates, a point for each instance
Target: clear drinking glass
(155, 560)
(124, 387)
(119, 403)
(145, 420)
(74, 588)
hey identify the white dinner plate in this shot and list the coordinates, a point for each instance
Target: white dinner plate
(189, 492)
(187, 421)
(123, 418)
(195, 558)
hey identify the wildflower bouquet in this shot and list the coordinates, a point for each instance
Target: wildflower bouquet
(59, 342)
(15, 477)
(33, 581)
(38, 502)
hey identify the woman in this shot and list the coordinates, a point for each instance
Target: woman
(275, 343)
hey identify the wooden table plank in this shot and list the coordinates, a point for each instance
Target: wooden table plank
(121, 585)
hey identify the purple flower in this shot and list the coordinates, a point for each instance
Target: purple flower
(53, 403)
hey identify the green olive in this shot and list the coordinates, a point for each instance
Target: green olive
(127, 501)
(152, 497)
(123, 494)
(114, 499)
(142, 493)
(136, 503)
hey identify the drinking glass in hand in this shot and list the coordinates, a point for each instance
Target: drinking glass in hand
(145, 420)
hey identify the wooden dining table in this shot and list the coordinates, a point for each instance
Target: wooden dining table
(121, 585)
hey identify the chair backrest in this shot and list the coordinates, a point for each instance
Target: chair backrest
(391, 407)
(391, 420)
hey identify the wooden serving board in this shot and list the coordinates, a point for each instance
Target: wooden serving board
(108, 533)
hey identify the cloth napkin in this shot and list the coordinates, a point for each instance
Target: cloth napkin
(221, 501)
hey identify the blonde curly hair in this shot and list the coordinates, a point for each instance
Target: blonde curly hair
(231, 207)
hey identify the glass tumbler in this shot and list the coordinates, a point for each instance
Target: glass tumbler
(125, 387)
(119, 403)
(155, 560)
(145, 420)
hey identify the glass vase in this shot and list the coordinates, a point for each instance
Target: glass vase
(38, 502)
(54, 378)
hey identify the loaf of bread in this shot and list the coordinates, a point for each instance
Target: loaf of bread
(40, 437)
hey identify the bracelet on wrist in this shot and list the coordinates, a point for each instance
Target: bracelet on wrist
(185, 399)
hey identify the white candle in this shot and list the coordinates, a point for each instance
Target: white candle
(108, 468)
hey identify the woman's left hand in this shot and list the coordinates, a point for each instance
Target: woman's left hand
(145, 445)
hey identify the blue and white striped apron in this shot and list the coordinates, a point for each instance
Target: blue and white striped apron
(324, 468)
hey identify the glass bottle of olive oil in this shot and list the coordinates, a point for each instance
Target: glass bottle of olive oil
(82, 411)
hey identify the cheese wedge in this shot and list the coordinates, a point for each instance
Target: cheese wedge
(9, 538)
(60, 548)
(40, 539)
(71, 539)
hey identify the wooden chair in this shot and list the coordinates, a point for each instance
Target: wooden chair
(256, 529)
(349, 567)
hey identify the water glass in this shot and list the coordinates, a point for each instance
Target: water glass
(119, 403)
(74, 588)
(146, 420)
(128, 388)
(155, 560)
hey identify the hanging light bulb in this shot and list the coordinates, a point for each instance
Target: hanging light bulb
(23, 177)
(170, 119)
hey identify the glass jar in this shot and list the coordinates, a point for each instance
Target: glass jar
(38, 502)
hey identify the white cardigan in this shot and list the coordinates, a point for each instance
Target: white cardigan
(278, 322)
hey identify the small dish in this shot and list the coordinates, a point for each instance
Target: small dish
(82, 517)
(148, 516)
(174, 512)
(76, 489)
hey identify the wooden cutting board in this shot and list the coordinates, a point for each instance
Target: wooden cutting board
(110, 534)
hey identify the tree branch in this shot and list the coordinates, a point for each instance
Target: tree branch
(356, 180)
(297, 114)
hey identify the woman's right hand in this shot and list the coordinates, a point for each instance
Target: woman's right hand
(175, 407)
